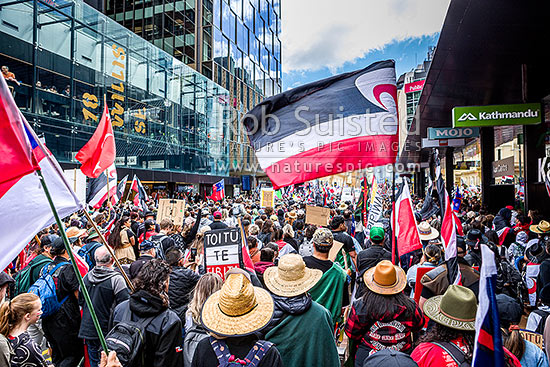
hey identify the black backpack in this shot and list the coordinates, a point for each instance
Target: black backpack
(127, 339)
(542, 322)
(159, 249)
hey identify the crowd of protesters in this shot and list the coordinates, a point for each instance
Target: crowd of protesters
(317, 296)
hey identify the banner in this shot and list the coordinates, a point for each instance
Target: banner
(376, 206)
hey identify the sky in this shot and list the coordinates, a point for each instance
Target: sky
(322, 38)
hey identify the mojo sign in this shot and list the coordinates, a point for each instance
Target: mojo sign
(222, 250)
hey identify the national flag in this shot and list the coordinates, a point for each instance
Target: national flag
(109, 227)
(502, 233)
(96, 192)
(457, 200)
(247, 260)
(24, 207)
(448, 226)
(406, 230)
(121, 187)
(488, 349)
(343, 123)
(141, 198)
(100, 151)
(218, 191)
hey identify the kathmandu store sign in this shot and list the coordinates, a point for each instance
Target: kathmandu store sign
(497, 115)
(414, 86)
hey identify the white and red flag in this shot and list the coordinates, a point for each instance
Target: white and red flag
(406, 230)
(100, 151)
(343, 123)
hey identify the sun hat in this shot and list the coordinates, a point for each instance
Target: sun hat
(74, 233)
(92, 234)
(274, 218)
(292, 214)
(455, 309)
(542, 227)
(322, 236)
(385, 278)
(377, 234)
(427, 232)
(238, 308)
(291, 277)
(342, 206)
(470, 214)
(389, 357)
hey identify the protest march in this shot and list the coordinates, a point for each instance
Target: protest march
(293, 274)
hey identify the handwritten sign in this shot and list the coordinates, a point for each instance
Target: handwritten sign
(171, 209)
(267, 198)
(532, 337)
(317, 215)
(334, 250)
(222, 250)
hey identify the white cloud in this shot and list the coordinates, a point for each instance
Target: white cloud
(328, 33)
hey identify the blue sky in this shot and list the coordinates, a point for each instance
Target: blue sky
(406, 53)
(321, 38)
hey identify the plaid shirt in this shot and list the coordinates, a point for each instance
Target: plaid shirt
(392, 331)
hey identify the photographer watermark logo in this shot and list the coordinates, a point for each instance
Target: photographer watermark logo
(467, 116)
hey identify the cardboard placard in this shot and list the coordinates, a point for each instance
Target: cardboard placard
(334, 250)
(222, 250)
(317, 215)
(532, 337)
(267, 198)
(172, 209)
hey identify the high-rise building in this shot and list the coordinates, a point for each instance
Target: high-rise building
(236, 43)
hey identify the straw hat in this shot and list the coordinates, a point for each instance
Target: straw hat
(291, 277)
(292, 214)
(274, 218)
(427, 232)
(238, 308)
(542, 227)
(455, 309)
(343, 206)
(385, 278)
(74, 233)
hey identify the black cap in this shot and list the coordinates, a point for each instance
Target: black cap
(475, 237)
(508, 309)
(48, 239)
(58, 246)
(460, 243)
(389, 357)
(5, 279)
(149, 214)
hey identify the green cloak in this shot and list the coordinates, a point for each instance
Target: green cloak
(306, 340)
(329, 291)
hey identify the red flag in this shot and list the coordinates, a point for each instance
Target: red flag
(100, 151)
(406, 230)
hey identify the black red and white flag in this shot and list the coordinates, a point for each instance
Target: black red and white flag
(141, 198)
(448, 226)
(343, 123)
(96, 192)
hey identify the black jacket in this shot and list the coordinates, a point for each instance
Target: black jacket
(182, 283)
(164, 337)
(218, 224)
(107, 289)
(366, 259)
(135, 267)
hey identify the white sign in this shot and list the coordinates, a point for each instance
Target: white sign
(77, 182)
(155, 164)
(222, 255)
(222, 250)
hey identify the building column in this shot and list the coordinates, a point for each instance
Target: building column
(536, 196)
(449, 170)
(487, 143)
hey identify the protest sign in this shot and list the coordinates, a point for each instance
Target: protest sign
(317, 215)
(334, 250)
(222, 250)
(267, 198)
(532, 337)
(376, 207)
(171, 209)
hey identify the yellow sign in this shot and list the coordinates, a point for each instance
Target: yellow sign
(267, 198)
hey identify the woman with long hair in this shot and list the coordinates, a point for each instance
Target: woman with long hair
(149, 304)
(431, 257)
(384, 317)
(15, 318)
(122, 241)
(267, 231)
(194, 331)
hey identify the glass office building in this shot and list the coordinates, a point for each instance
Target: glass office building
(236, 43)
(169, 120)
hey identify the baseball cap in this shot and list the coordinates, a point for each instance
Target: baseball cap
(376, 233)
(389, 357)
(508, 309)
(323, 236)
(5, 279)
(146, 245)
(217, 214)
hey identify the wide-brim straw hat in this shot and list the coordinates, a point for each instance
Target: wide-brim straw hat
(542, 227)
(238, 308)
(291, 277)
(385, 278)
(427, 232)
(455, 309)
(292, 214)
(343, 206)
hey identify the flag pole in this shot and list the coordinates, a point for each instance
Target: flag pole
(83, 289)
(393, 259)
(117, 263)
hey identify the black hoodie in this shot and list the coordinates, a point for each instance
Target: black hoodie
(164, 336)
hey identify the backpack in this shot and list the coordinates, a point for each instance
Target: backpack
(542, 322)
(23, 279)
(252, 359)
(45, 288)
(455, 352)
(159, 250)
(87, 253)
(127, 339)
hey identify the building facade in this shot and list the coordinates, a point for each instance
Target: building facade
(170, 122)
(235, 43)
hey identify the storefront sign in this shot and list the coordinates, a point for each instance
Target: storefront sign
(504, 167)
(414, 86)
(222, 250)
(427, 143)
(436, 133)
(497, 115)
